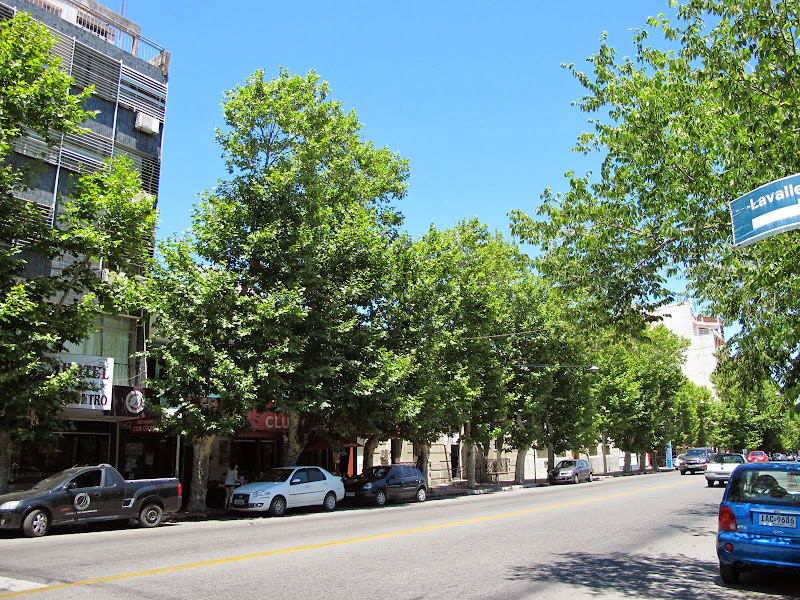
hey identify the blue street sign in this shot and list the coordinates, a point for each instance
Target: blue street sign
(772, 208)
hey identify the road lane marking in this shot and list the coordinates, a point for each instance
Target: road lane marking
(15, 585)
(243, 557)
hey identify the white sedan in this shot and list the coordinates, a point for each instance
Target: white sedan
(289, 487)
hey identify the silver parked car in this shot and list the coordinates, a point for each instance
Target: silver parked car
(571, 470)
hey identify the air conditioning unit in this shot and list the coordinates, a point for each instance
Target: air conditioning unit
(146, 123)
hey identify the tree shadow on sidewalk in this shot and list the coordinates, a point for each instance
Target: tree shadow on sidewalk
(668, 577)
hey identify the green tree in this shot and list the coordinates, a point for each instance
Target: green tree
(452, 300)
(693, 421)
(751, 414)
(204, 323)
(295, 248)
(637, 390)
(685, 126)
(42, 309)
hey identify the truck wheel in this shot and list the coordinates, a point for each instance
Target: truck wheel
(36, 523)
(709, 482)
(683, 471)
(150, 515)
(728, 573)
(278, 507)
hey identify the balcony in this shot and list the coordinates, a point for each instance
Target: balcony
(108, 25)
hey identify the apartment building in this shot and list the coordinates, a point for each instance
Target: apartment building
(130, 76)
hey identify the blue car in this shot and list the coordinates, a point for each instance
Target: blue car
(758, 519)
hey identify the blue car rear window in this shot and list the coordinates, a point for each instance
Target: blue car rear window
(765, 487)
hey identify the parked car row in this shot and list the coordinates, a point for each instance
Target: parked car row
(695, 459)
(290, 487)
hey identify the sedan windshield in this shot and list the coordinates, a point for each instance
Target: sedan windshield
(275, 475)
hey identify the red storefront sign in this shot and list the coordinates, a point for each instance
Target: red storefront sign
(268, 421)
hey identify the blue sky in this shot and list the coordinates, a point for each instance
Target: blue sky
(472, 93)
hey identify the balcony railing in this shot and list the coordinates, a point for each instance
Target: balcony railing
(105, 24)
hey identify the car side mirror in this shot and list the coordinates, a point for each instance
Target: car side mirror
(72, 485)
(294, 481)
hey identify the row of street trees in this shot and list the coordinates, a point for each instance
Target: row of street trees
(297, 291)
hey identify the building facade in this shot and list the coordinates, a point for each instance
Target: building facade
(705, 334)
(99, 47)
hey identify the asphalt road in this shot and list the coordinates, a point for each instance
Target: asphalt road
(645, 536)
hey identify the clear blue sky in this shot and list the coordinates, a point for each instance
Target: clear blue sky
(472, 93)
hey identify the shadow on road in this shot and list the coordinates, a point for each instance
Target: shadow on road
(669, 577)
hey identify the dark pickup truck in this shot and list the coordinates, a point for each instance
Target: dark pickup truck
(85, 495)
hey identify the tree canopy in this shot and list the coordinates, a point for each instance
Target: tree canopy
(684, 127)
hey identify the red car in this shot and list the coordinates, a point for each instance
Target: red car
(757, 456)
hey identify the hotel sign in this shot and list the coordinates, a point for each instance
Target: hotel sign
(97, 372)
(772, 208)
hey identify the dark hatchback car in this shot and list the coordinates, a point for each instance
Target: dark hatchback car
(386, 483)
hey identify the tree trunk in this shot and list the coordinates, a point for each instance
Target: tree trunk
(470, 447)
(604, 448)
(551, 450)
(471, 458)
(642, 462)
(197, 498)
(627, 466)
(423, 452)
(519, 467)
(369, 450)
(5, 461)
(396, 450)
(296, 440)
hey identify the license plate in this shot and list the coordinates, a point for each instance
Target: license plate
(238, 501)
(349, 493)
(768, 520)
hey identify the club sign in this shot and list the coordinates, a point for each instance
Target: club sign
(772, 208)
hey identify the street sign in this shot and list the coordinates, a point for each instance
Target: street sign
(772, 208)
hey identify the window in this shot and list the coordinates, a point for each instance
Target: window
(300, 476)
(89, 479)
(315, 475)
(765, 487)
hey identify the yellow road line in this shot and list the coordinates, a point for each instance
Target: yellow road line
(231, 559)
